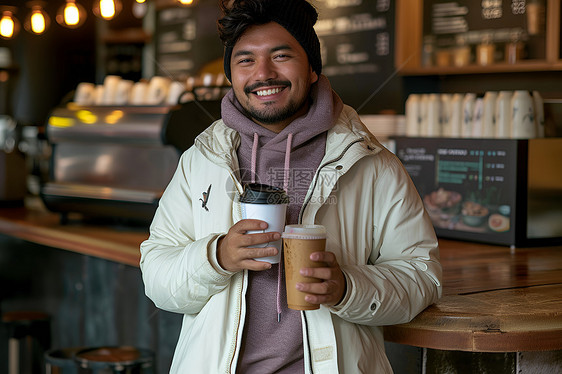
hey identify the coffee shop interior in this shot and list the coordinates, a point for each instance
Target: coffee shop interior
(98, 99)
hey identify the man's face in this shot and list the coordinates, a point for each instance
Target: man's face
(271, 75)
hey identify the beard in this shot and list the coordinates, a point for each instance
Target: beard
(269, 114)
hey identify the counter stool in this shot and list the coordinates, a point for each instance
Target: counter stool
(29, 335)
(122, 360)
(61, 361)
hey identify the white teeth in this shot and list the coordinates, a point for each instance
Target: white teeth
(268, 92)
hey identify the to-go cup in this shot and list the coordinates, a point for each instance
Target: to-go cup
(299, 242)
(269, 204)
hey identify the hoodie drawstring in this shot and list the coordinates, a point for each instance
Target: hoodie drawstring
(285, 187)
(254, 157)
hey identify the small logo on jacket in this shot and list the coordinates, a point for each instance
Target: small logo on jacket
(205, 198)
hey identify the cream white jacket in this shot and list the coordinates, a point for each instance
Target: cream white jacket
(376, 224)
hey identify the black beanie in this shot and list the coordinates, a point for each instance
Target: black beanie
(298, 18)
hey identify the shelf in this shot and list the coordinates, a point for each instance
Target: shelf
(521, 67)
(409, 35)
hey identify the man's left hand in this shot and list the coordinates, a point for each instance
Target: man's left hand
(332, 288)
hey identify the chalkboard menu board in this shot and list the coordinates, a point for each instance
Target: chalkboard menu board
(357, 39)
(186, 39)
(498, 21)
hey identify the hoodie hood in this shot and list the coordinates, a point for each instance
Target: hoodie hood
(321, 116)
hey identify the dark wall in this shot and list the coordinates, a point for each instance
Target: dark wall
(92, 302)
(50, 65)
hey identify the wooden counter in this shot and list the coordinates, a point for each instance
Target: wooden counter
(494, 299)
(35, 224)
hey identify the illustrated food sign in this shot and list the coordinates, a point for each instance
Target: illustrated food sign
(466, 186)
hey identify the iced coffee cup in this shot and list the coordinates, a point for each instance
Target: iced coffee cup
(299, 242)
(269, 204)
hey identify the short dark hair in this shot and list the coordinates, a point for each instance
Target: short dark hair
(296, 16)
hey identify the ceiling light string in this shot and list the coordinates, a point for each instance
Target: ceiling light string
(70, 15)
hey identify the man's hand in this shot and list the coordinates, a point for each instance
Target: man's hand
(332, 289)
(233, 253)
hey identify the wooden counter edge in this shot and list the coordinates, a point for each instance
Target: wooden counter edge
(72, 242)
(475, 341)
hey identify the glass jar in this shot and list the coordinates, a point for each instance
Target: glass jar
(514, 50)
(461, 53)
(428, 53)
(485, 51)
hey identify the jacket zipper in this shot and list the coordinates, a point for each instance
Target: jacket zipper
(240, 294)
(300, 222)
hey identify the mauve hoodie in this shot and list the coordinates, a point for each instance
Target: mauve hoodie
(288, 160)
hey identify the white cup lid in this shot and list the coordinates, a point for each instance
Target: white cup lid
(304, 232)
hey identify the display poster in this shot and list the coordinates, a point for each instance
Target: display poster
(467, 187)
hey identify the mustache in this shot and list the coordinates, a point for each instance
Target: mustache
(255, 86)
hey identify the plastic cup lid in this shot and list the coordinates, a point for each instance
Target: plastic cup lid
(304, 232)
(256, 193)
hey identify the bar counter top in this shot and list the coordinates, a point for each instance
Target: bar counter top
(36, 224)
(495, 299)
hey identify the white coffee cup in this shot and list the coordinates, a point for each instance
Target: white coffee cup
(523, 124)
(539, 113)
(503, 114)
(123, 92)
(455, 121)
(85, 94)
(269, 204)
(489, 115)
(174, 92)
(98, 97)
(477, 129)
(138, 93)
(468, 104)
(413, 115)
(157, 90)
(445, 114)
(433, 128)
(110, 84)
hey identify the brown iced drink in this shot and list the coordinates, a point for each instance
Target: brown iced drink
(299, 242)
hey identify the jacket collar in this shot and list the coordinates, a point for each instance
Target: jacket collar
(219, 142)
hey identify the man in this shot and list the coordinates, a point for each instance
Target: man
(283, 125)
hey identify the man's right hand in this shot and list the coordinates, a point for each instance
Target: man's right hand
(233, 253)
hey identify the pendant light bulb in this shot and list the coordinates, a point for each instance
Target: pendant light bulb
(140, 1)
(107, 9)
(71, 15)
(9, 25)
(185, 2)
(38, 21)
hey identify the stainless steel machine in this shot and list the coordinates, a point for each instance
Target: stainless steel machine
(113, 161)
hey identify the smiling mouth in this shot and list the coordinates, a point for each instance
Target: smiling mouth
(269, 91)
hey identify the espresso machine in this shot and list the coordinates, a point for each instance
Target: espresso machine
(116, 161)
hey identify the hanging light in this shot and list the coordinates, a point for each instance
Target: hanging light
(71, 15)
(9, 25)
(140, 8)
(185, 2)
(37, 21)
(107, 9)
